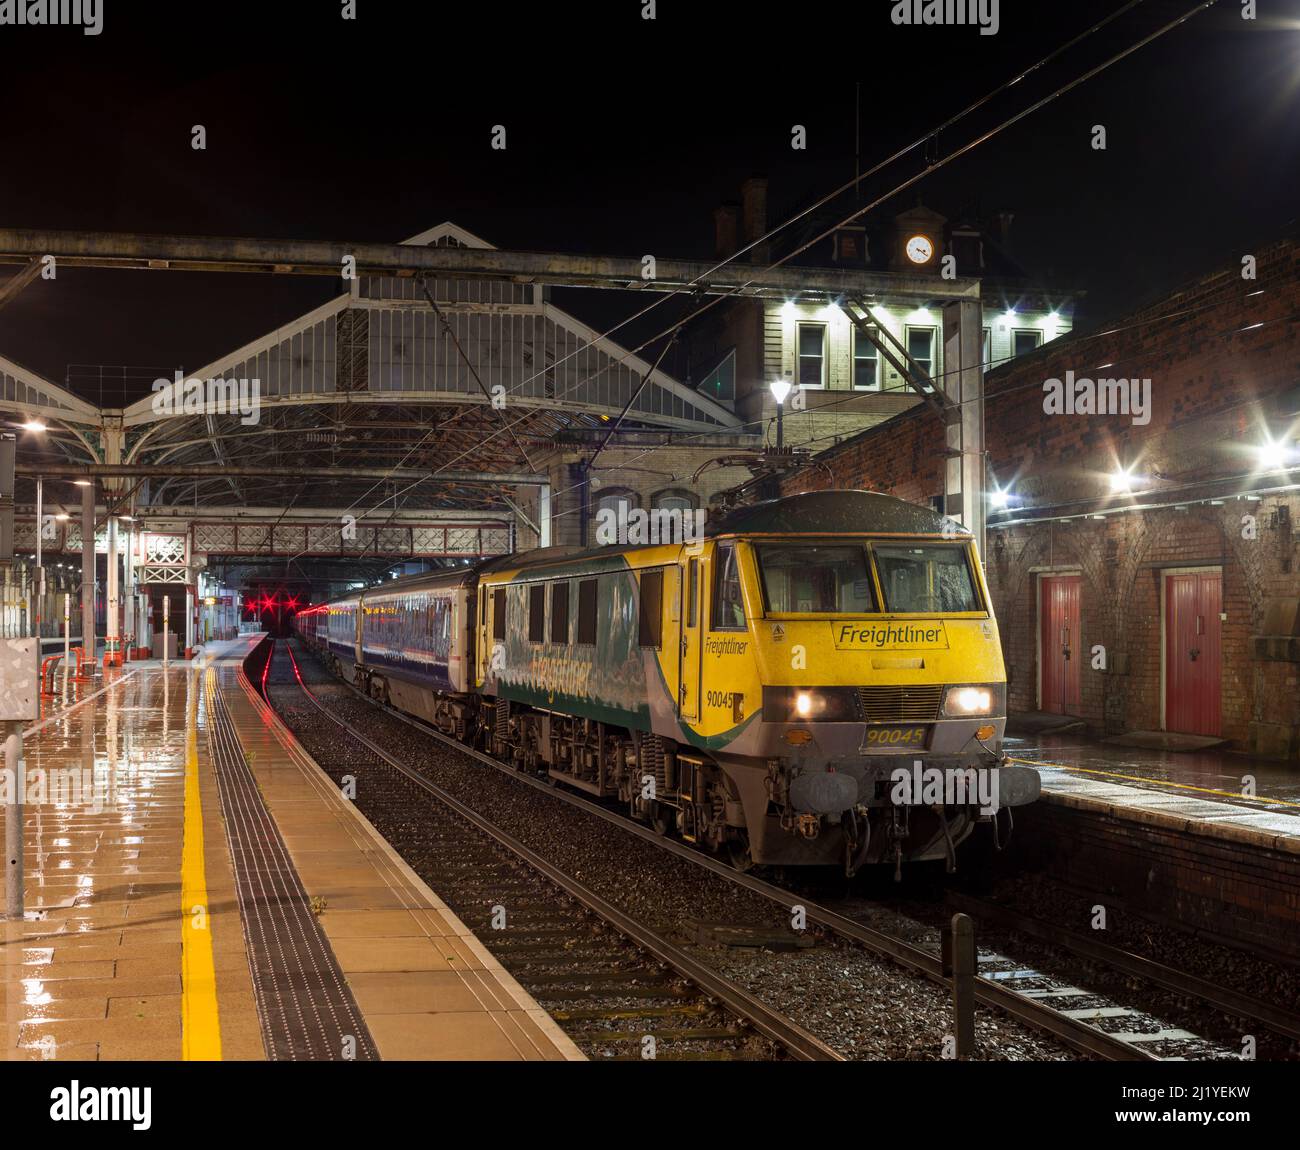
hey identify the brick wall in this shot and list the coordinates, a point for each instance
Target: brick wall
(1227, 889)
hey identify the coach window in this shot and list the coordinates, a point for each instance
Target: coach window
(587, 612)
(728, 606)
(560, 613)
(652, 609)
(537, 613)
(499, 613)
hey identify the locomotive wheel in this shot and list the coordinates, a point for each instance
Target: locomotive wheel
(663, 819)
(738, 852)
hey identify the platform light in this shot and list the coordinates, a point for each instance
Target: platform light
(81, 483)
(33, 425)
(1122, 480)
(1000, 498)
(1273, 455)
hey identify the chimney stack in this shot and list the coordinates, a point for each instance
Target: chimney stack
(753, 193)
(726, 219)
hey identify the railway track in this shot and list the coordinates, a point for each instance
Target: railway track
(1085, 1021)
(618, 989)
(1282, 1022)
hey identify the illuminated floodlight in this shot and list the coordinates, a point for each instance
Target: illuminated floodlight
(1121, 481)
(1273, 455)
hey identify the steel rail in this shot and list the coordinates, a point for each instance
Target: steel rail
(767, 1021)
(1078, 1035)
(1282, 1021)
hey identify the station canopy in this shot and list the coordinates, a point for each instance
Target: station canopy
(465, 404)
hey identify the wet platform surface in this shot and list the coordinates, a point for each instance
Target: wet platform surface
(1239, 795)
(133, 947)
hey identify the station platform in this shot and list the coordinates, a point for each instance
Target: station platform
(1210, 793)
(197, 889)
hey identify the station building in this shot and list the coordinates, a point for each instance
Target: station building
(733, 352)
(1142, 562)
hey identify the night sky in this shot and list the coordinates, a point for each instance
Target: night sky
(623, 135)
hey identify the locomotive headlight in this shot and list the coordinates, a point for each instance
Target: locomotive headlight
(809, 704)
(963, 701)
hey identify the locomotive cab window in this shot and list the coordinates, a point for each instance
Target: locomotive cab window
(499, 613)
(929, 579)
(650, 631)
(560, 613)
(587, 612)
(728, 603)
(802, 579)
(537, 613)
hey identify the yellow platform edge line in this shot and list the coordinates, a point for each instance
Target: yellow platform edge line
(200, 1021)
(1155, 782)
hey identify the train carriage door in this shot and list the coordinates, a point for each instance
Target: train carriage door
(691, 610)
(1192, 604)
(1060, 646)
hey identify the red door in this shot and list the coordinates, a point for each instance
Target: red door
(1062, 649)
(1192, 670)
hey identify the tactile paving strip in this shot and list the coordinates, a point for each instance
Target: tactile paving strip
(306, 1010)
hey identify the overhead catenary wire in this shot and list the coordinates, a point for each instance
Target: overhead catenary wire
(835, 193)
(931, 167)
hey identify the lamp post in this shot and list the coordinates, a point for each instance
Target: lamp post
(34, 616)
(780, 389)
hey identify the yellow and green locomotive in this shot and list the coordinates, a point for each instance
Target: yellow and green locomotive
(816, 680)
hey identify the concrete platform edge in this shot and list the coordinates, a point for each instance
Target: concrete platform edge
(544, 1022)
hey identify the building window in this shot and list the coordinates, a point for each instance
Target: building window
(728, 604)
(812, 355)
(673, 499)
(612, 511)
(499, 613)
(866, 363)
(1025, 341)
(537, 613)
(560, 613)
(986, 349)
(652, 608)
(920, 346)
(615, 498)
(587, 612)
